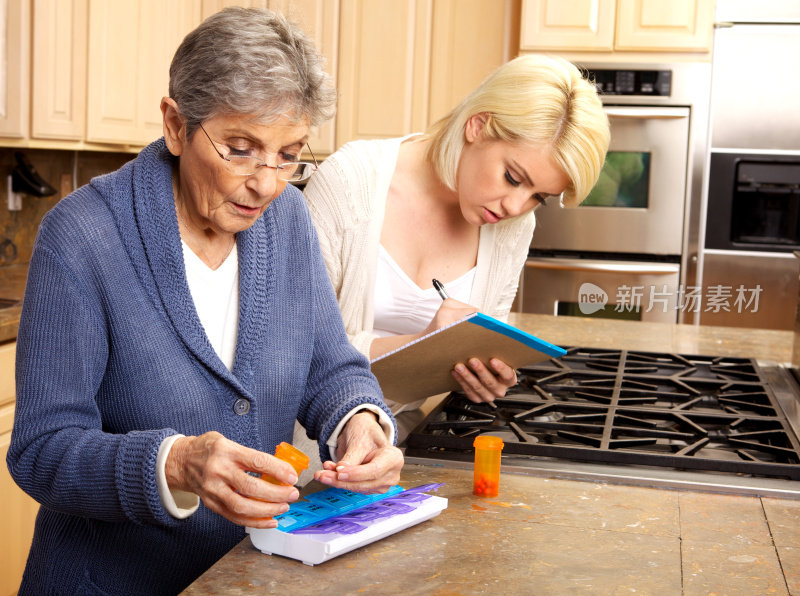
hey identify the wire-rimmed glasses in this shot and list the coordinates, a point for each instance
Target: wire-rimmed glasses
(246, 165)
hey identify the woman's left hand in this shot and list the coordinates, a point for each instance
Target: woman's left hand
(480, 384)
(368, 463)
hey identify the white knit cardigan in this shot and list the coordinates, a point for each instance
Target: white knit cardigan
(347, 199)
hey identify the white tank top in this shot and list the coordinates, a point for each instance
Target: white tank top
(401, 306)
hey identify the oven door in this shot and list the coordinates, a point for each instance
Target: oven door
(638, 203)
(632, 290)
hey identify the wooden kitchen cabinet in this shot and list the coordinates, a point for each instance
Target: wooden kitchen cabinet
(402, 65)
(617, 25)
(58, 100)
(568, 25)
(15, 57)
(100, 67)
(319, 19)
(469, 39)
(18, 513)
(130, 48)
(658, 26)
(383, 71)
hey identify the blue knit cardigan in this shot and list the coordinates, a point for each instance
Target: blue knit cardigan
(112, 358)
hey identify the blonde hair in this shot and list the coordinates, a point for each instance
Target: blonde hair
(533, 99)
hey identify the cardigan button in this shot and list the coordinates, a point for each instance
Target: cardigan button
(241, 406)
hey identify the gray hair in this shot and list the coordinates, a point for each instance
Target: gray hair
(250, 61)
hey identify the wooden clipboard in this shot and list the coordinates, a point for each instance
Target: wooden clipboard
(422, 368)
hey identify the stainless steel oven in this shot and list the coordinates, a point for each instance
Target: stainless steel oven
(637, 204)
(626, 244)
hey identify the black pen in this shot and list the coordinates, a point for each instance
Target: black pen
(440, 288)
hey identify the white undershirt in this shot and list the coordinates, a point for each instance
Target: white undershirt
(216, 298)
(401, 306)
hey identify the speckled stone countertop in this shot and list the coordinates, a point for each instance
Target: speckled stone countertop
(547, 536)
(12, 287)
(766, 345)
(561, 536)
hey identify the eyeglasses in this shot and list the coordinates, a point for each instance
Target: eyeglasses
(247, 165)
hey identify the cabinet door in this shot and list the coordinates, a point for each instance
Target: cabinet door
(319, 19)
(656, 25)
(568, 25)
(130, 49)
(58, 102)
(18, 513)
(458, 63)
(8, 352)
(164, 25)
(212, 6)
(15, 27)
(17, 518)
(383, 68)
(113, 71)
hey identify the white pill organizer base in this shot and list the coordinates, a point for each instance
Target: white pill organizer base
(312, 549)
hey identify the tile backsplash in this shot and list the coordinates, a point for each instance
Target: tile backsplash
(65, 171)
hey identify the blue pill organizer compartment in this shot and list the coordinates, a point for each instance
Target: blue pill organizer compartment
(334, 521)
(325, 504)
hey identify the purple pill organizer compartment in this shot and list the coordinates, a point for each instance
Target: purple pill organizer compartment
(334, 521)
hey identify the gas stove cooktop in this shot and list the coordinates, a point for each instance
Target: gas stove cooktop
(720, 423)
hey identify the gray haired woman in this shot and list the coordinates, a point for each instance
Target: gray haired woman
(178, 320)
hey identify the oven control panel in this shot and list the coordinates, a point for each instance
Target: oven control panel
(632, 82)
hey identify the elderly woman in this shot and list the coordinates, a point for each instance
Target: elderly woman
(178, 319)
(456, 204)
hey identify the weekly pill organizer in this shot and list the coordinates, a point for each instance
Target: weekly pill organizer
(334, 521)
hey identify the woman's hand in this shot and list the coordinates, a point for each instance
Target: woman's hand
(368, 463)
(449, 312)
(481, 384)
(215, 469)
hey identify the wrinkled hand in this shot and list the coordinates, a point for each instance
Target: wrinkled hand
(481, 384)
(368, 463)
(215, 469)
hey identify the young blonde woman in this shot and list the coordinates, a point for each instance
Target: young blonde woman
(456, 204)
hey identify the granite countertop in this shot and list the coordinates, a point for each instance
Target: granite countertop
(765, 345)
(12, 287)
(468, 547)
(546, 536)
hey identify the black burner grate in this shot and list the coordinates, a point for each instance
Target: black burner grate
(625, 407)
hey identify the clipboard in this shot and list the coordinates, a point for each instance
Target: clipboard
(422, 367)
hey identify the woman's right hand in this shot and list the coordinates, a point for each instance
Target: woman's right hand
(449, 312)
(215, 469)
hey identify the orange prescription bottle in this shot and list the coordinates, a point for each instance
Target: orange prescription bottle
(486, 479)
(292, 455)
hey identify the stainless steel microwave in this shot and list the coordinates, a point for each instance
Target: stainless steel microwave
(627, 244)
